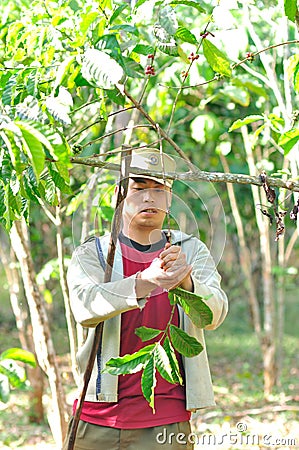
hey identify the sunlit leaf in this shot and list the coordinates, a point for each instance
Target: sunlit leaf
(19, 354)
(129, 363)
(15, 374)
(175, 368)
(101, 70)
(185, 35)
(148, 382)
(290, 9)
(246, 121)
(217, 60)
(288, 139)
(143, 49)
(194, 4)
(163, 364)
(117, 12)
(35, 151)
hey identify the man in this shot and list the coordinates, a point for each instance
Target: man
(115, 414)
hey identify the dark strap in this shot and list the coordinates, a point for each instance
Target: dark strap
(99, 356)
(100, 253)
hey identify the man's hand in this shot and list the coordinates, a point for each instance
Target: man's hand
(173, 257)
(168, 271)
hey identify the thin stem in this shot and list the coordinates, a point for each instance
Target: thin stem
(164, 334)
(184, 78)
(112, 133)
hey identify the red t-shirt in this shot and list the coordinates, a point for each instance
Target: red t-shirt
(132, 410)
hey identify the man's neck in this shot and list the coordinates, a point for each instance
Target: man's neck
(143, 236)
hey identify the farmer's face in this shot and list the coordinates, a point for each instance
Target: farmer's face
(146, 203)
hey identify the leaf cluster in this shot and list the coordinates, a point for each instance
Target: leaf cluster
(160, 356)
(12, 374)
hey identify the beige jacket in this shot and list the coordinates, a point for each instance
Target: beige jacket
(93, 301)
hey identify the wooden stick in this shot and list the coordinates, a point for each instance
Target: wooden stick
(116, 225)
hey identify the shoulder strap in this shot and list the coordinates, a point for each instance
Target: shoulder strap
(100, 253)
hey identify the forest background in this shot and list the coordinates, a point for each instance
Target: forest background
(214, 84)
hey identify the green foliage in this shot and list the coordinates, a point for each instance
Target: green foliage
(290, 8)
(160, 356)
(62, 68)
(217, 60)
(11, 374)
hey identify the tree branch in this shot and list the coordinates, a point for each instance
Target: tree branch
(193, 175)
(161, 131)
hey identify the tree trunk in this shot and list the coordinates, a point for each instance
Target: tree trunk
(65, 293)
(41, 332)
(34, 374)
(268, 337)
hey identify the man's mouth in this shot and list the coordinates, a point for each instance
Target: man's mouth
(149, 210)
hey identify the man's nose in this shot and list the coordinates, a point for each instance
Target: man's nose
(147, 195)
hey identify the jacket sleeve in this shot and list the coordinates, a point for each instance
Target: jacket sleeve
(92, 300)
(206, 281)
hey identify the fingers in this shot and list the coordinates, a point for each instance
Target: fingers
(172, 255)
(174, 276)
(169, 249)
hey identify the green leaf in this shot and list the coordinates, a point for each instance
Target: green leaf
(172, 298)
(117, 12)
(35, 151)
(39, 135)
(193, 305)
(4, 389)
(100, 69)
(59, 180)
(276, 122)
(129, 363)
(217, 60)
(163, 365)
(288, 139)
(293, 70)
(186, 345)
(2, 205)
(246, 121)
(175, 368)
(19, 354)
(16, 376)
(116, 96)
(9, 91)
(142, 49)
(139, 3)
(185, 35)
(290, 9)
(132, 68)
(13, 145)
(126, 28)
(148, 382)
(146, 333)
(194, 4)
(63, 71)
(50, 191)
